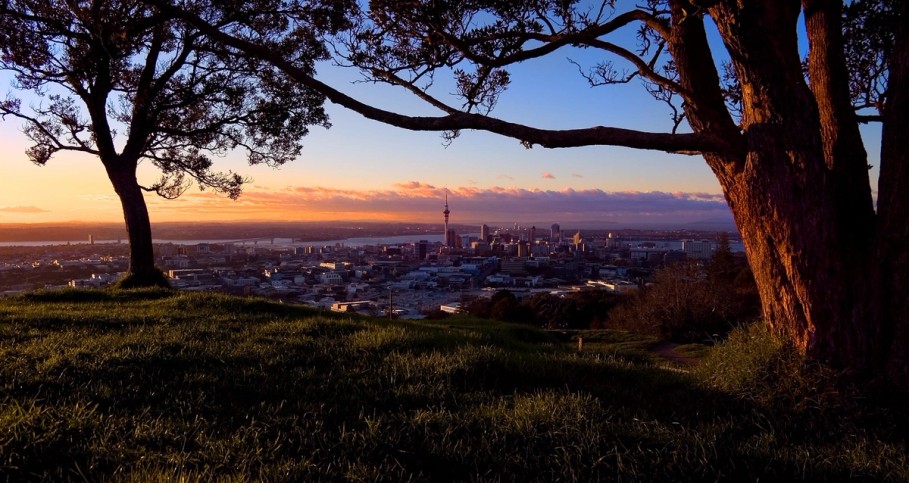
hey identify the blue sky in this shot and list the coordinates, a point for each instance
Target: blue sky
(360, 169)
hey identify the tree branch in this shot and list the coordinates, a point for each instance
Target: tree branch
(643, 68)
(48, 135)
(398, 81)
(599, 135)
(555, 42)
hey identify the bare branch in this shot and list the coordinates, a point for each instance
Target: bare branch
(644, 69)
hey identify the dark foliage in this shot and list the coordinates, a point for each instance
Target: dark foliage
(690, 303)
(581, 310)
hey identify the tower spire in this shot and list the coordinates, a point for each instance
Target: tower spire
(446, 213)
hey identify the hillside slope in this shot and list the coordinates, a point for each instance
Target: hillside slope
(153, 385)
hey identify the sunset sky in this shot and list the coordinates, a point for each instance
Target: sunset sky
(363, 170)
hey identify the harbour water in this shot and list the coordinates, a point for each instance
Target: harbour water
(734, 245)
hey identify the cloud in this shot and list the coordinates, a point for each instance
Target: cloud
(505, 176)
(23, 209)
(548, 175)
(414, 201)
(576, 175)
(414, 185)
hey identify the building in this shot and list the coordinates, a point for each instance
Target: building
(699, 250)
(555, 234)
(523, 249)
(422, 249)
(513, 266)
(484, 233)
(451, 239)
(331, 278)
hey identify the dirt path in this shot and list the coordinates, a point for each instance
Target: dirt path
(666, 350)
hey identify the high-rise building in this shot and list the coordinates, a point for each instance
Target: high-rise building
(523, 249)
(451, 239)
(533, 234)
(484, 233)
(422, 249)
(555, 236)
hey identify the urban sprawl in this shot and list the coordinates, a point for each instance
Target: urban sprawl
(406, 280)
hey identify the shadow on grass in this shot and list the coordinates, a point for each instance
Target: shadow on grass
(284, 394)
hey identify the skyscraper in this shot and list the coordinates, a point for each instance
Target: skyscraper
(484, 233)
(448, 241)
(555, 235)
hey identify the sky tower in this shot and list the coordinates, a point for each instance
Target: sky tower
(446, 213)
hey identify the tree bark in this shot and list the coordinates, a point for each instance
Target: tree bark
(891, 262)
(801, 199)
(138, 226)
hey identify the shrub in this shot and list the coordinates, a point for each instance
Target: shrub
(687, 303)
(756, 364)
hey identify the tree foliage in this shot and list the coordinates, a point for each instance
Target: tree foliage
(122, 79)
(128, 83)
(690, 302)
(869, 29)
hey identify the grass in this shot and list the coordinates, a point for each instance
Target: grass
(154, 385)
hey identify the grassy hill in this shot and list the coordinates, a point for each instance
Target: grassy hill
(156, 385)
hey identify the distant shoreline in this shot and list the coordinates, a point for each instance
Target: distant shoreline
(303, 232)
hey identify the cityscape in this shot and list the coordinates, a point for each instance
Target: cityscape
(405, 276)
(454, 241)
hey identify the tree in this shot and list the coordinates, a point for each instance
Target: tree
(780, 132)
(690, 302)
(125, 82)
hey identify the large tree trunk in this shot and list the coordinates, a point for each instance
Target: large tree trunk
(799, 191)
(142, 271)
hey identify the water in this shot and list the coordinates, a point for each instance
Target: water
(277, 242)
(735, 246)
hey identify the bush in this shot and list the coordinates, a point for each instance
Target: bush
(756, 364)
(687, 303)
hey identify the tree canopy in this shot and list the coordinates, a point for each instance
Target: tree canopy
(120, 78)
(126, 82)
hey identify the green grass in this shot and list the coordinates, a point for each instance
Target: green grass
(159, 386)
(620, 345)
